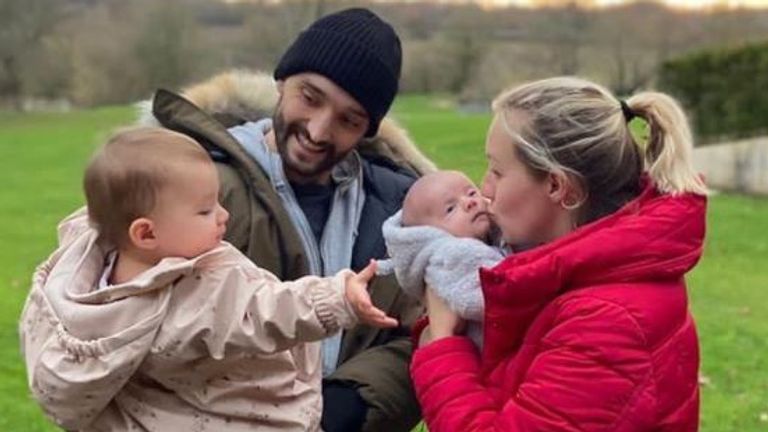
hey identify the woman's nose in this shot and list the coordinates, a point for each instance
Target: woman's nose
(486, 188)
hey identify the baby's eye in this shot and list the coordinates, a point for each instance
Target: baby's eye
(472, 192)
(204, 212)
(450, 208)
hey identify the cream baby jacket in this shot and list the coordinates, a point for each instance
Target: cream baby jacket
(205, 344)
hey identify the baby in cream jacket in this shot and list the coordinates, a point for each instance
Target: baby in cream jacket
(144, 319)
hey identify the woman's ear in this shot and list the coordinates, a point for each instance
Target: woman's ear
(565, 191)
(141, 232)
(557, 187)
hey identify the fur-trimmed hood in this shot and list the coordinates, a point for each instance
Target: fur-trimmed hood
(250, 96)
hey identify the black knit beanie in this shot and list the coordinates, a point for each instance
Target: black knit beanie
(355, 49)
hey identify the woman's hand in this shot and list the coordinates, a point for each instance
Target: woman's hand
(443, 322)
(356, 291)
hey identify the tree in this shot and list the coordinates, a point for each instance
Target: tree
(23, 26)
(464, 42)
(562, 30)
(166, 46)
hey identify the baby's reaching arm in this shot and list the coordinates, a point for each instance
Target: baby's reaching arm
(250, 309)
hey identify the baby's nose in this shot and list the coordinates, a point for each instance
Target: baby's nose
(469, 203)
(223, 215)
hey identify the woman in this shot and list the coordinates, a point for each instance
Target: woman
(590, 329)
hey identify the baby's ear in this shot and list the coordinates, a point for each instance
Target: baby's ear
(141, 233)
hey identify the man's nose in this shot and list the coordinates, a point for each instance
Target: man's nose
(320, 126)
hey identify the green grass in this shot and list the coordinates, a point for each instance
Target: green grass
(731, 309)
(41, 161)
(453, 140)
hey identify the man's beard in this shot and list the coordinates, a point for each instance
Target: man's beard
(299, 170)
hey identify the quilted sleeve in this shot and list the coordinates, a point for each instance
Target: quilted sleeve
(591, 371)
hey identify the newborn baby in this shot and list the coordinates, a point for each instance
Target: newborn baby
(440, 239)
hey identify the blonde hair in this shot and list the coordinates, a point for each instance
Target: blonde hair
(578, 129)
(125, 176)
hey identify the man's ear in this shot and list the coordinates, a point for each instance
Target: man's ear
(141, 232)
(280, 85)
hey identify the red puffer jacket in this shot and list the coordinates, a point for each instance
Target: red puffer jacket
(589, 333)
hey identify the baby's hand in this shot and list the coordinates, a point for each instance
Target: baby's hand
(357, 296)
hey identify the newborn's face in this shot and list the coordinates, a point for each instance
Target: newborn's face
(448, 200)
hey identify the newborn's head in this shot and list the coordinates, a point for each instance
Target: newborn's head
(450, 201)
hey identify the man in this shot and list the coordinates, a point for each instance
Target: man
(303, 200)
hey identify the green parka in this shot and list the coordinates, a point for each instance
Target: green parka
(375, 361)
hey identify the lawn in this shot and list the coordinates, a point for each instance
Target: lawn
(42, 156)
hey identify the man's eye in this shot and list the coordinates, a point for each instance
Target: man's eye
(308, 97)
(350, 123)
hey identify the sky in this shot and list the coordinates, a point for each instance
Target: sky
(685, 4)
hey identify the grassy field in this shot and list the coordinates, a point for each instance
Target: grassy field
(42, 155)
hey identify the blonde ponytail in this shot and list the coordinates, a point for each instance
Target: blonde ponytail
(669, 153)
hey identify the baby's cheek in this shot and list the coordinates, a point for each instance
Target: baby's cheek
(485, 204)
(439, 224)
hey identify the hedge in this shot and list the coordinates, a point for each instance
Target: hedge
(725, 90)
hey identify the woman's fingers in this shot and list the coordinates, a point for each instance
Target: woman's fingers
(443, 321)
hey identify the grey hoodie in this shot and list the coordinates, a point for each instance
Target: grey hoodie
(334, 253)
